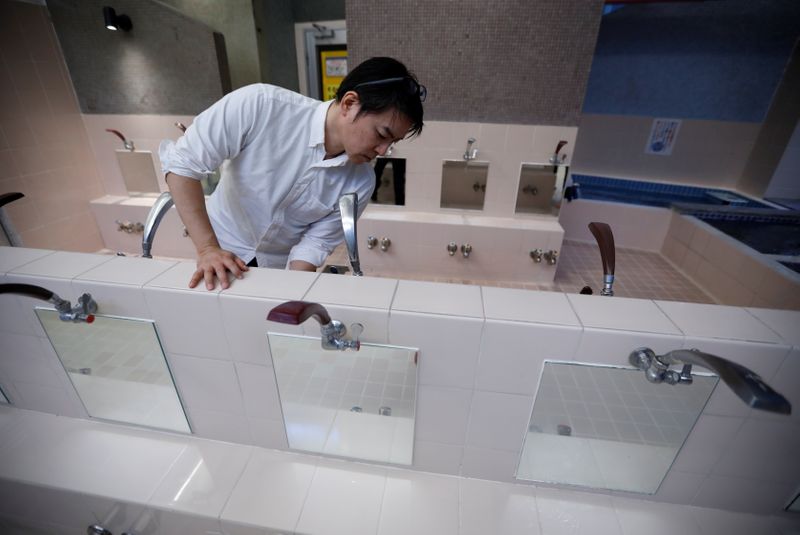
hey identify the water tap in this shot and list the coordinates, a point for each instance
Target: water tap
(745, 383)
(163, 203)
(83, 311)
(470, 153)
(333, 331)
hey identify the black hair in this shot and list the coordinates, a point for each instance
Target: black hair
(399, 89)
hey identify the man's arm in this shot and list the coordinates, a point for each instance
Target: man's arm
(212, 260)
(301, 265)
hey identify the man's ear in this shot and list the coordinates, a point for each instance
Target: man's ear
(349, 103)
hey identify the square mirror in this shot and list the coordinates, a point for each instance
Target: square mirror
(118, 369)
(390, 181)
(539, 190)
(348, 404)
(608, 428)
(464, 184)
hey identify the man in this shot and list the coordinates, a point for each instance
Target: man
(290, 160)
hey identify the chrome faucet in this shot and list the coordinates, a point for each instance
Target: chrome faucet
(745, 383)
(333, 331)
(82, 312)
(6, 226)
(470, 153)
(163, 203)
(348, 208)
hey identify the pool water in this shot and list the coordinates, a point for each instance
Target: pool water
(777, 234)
(657, 193)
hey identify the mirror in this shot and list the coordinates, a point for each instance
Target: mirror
(608, 428)
(390, 181)
(540, 187)
(464, 184)
(350, 404)
(118, 369)
(138, 170)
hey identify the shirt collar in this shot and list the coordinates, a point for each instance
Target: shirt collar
(317, 134)
(316, 137)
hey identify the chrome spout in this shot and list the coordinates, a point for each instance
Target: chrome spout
(470, 153)
(348, 209)
(333, 331)
(157, 212)
(82, 312)
(6, 226)
(744, 382)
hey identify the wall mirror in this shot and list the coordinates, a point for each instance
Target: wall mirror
(464, 184)
(118, 369)
(540, 187)
(390, 181)
(350, 404)
(608, 428)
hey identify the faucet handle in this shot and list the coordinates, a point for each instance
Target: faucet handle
(296, 312)
(355, 332)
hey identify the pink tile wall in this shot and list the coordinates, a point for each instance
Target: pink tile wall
(44, 149)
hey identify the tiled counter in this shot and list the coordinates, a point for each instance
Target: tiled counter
(58, 475)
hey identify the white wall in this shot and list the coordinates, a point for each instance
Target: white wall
(706, 153)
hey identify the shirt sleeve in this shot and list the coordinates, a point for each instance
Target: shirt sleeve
(323, 236)
(217, 134)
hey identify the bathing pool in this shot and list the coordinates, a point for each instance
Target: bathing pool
(656, 193)
(773, 233)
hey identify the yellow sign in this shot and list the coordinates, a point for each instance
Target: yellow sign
(334, 69)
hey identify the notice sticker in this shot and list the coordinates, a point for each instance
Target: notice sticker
(662, 136)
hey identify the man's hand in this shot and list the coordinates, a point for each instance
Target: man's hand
(215, 262)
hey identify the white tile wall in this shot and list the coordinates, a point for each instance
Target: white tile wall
(448, 345)
(717, 321)
(159, 482)
(442, 414)
(622, 313)
(219, 373)
(188, 322)
(343, 500)
(432, 298)
(419, 503)
(490, 464)
(487, 507)
(271, 492)
(533, 307)
(516, 368)
(578, 513)
(498, 421)
(14, 257)
(246, 327)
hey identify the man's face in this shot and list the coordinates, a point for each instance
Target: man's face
(367, 136)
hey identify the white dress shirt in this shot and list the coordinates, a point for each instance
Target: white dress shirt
(278, 198)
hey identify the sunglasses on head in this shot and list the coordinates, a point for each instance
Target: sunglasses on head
(412, 85)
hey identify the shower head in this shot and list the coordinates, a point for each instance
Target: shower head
(744, 382)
